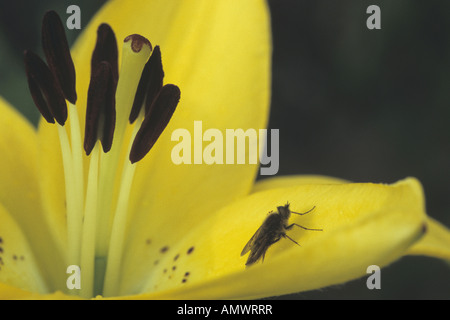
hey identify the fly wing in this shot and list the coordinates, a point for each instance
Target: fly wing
(251, 242)
(258, 251)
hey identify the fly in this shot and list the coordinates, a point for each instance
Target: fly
(271, 231)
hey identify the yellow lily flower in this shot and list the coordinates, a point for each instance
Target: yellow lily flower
(182, 228)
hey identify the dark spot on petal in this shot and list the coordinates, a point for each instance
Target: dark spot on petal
(424, 228)
(186, 274)
(183, 281)
(148, 241)
(190, 250)
(156, 262)
(165, 270)
(174, 267)
(176, 257)
(164, 249)
(14, 257)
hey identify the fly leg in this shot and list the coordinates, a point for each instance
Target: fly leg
(286, 236)
(294, 224)
(302, 213)
(271, 243)
(289, 227)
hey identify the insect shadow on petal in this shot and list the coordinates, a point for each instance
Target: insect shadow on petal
(271, 231)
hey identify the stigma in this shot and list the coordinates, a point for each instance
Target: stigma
(133, 96)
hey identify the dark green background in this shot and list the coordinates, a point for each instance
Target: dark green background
(365, 105)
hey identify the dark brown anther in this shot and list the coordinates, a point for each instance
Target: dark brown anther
(106, 50)
(101, 104)
(44, 89)
(155, 123)
(149, 86)
(58, 56)
(100, 111)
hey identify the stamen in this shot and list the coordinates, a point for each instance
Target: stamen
(58, 56)
(133, 62)
(155, 121)
(49, 85)
(150, 84)
(44, 90)
(100, 113)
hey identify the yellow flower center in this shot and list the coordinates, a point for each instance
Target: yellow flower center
(96, 222)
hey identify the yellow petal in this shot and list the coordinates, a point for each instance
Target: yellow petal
(363, 225)
(12, 293)
(51, 180)
(218, 53)
(17, 263)
(19, 187)
(294, 180)
(18, 147)
(435, 243)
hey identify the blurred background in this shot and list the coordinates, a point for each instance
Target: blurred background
(364, 105)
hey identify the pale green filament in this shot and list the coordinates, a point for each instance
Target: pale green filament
(74, 185)
(77, 154)
(116, 245)
(90, 220)
(131, 69)
(73, 216)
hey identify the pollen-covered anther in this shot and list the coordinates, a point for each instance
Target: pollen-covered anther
(57, 53)
(44, 90)
(100, 112)
(155, 121)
